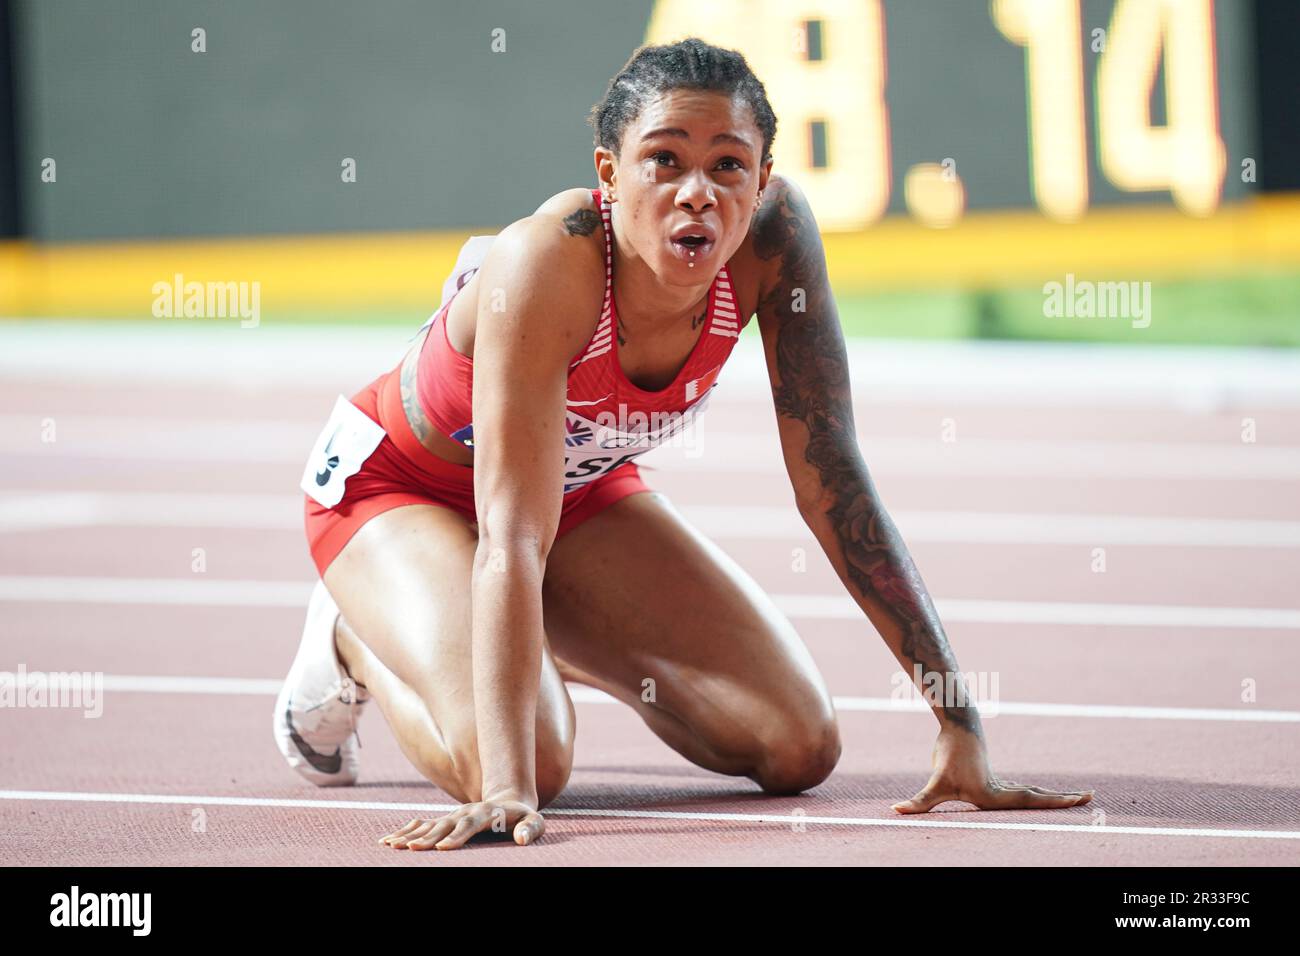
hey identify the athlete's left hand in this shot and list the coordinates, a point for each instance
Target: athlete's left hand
(517, 817)
(962, 772)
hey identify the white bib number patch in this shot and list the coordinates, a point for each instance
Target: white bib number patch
(348, 439)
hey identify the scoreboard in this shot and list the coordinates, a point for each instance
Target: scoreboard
(932, 107)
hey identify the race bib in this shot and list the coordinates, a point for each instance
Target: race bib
(348, 439)
(594, 448)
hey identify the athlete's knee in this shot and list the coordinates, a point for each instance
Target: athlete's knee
(554, 765)
(799, 757)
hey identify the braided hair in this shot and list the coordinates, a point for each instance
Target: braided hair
(689, 64)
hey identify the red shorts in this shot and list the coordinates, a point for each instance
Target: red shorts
(401, 471)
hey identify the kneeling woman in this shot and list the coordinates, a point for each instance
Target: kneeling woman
(469, 567)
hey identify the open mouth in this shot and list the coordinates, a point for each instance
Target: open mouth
(692, 247)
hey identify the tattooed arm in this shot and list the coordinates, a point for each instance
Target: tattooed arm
(808, 367)
(810, 386)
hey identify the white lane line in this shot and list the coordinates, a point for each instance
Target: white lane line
(992, 527)
(1104, 711)
(837, 607)
(191, 800)
(343, 357)
(723, 452)
(34, 510)
(268, 687)
(705, 449)
(153, 684)
(216, 592)
(160, 591)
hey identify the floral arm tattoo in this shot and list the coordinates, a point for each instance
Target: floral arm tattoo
(811, 386)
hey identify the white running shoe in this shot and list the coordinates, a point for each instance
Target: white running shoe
(316, 713)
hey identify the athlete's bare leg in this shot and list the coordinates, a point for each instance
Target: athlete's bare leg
(402, 584)
(734, 689)
(635, 594)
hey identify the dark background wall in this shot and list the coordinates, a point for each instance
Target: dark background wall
(152, 139)
(10, 218)
(1276, 40)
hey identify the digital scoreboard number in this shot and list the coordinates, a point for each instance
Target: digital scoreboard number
(1120, 101)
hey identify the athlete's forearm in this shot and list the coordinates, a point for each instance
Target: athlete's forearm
(507, 660)
(809, 367)
(868, 553)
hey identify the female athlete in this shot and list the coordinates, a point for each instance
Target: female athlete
(469, 568)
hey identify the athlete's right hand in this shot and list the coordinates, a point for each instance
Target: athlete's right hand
(455, 829)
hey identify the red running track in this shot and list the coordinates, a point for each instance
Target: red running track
(181, 773)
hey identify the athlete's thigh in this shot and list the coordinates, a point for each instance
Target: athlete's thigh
(635, 594)
(402, 583)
